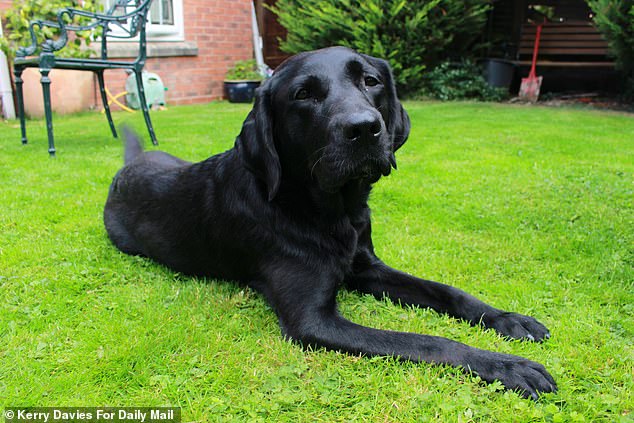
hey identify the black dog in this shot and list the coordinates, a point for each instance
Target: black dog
(286, 212)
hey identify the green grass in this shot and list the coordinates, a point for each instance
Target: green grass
(529, 208)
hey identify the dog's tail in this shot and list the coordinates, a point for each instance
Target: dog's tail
(133, 147)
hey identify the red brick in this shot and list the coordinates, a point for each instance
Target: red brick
(222, 31)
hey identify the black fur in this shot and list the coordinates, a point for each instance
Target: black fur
(285, 212)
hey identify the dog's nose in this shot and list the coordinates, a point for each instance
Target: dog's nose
(362, 126)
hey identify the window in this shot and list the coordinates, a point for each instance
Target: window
(162, 12)
(165, 20)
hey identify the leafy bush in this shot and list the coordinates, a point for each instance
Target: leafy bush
(459, 81)
(244, 70)
(411, 35)
(615, 20)
(19, 16)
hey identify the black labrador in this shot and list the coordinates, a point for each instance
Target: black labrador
(286, 212)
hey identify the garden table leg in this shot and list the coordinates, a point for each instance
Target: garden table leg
(17, 71)
(46, 90)
(104, 99)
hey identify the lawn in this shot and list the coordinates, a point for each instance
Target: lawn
(529, 208)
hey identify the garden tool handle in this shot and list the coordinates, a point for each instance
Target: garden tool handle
(535, 50)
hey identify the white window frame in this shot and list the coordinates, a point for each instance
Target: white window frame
(175, 32)
(159, 32)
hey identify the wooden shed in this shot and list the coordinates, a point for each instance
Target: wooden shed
(271, 31)
(573, 55)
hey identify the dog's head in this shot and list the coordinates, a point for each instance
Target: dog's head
(328, 116)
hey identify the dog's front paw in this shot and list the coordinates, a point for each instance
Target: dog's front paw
(518, 374)
(516, 326)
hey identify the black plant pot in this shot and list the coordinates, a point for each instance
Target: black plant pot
(499, 73)
(240, 91)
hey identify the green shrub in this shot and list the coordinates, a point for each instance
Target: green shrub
(615, 20)
(411, 35)
(22, 12)
(244, 70)
(459, 81)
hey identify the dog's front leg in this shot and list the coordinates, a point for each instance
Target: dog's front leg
(305, 305)
(376, 278)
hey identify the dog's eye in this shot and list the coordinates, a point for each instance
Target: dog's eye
(371, 81)
(302, 94)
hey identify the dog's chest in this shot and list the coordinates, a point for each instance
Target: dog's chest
(341, 244)
(318, 229)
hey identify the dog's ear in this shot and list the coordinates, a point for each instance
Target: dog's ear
(400, 124)
(397, 121)
(256, 145)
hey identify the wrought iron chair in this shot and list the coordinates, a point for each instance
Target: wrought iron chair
(127, 17)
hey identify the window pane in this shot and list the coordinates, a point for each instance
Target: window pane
(162, 12)
(121, 8)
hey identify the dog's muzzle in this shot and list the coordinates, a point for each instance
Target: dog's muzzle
(363, 127)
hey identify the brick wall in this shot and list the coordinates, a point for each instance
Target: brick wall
(220, 29)
(4, 5)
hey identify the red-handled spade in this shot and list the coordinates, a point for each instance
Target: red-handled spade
(529, 89)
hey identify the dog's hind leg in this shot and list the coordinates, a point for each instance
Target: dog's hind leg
(119, 235)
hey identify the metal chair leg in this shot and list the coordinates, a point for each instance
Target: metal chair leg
(46, 90)
(146, 112)
(17, 71)
(104, 99)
